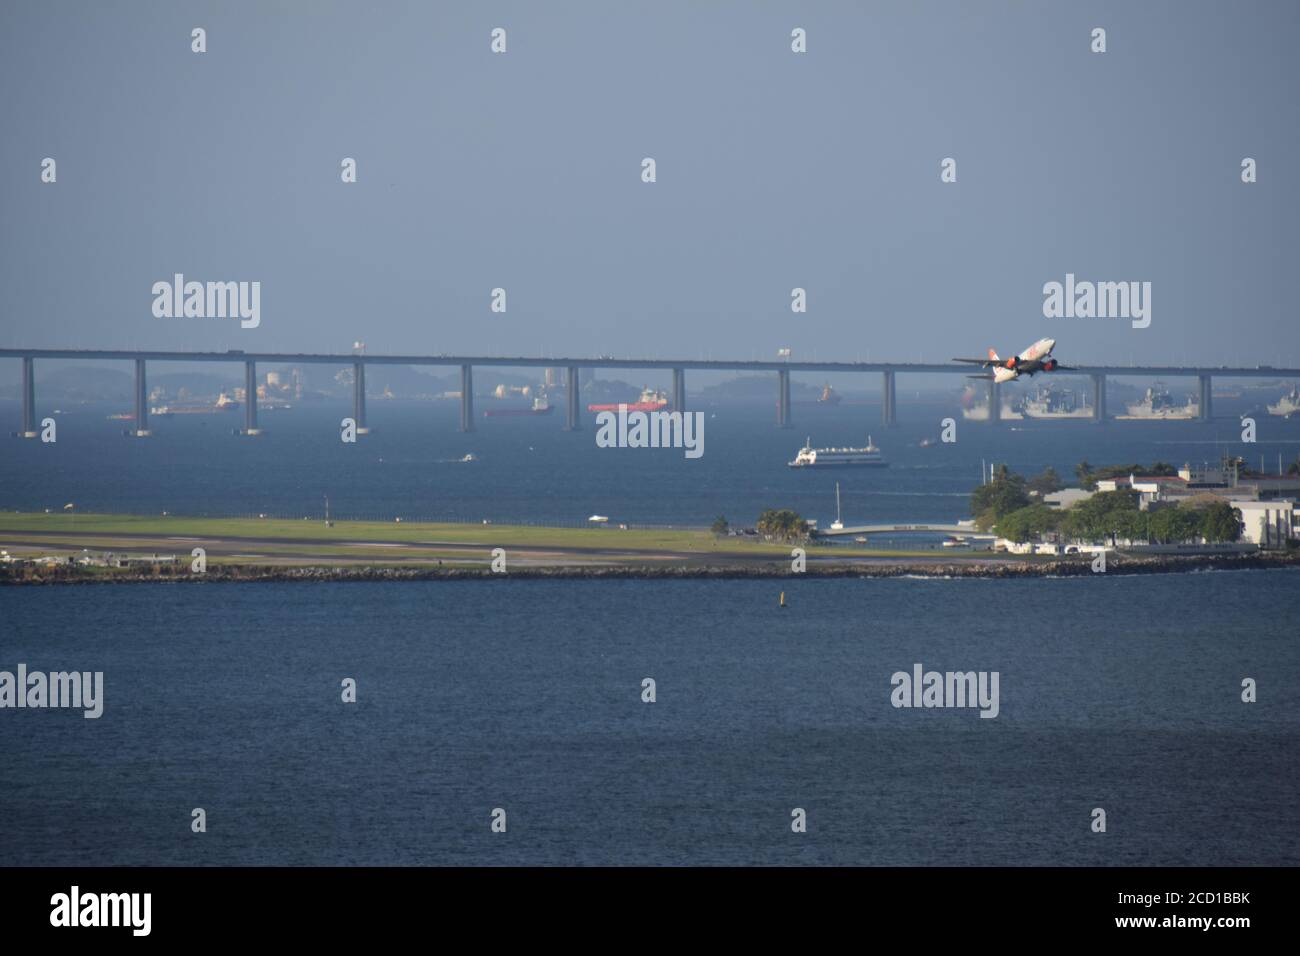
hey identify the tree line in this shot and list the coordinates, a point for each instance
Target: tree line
(1005, 506)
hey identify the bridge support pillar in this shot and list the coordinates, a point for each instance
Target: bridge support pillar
(29, 398)
(250, 399)
(141, 401)
(679, 390)
(571, 418)
(466, 398)
(1207, 399)
(888, 407)
(783, 398)
(359, 397)
(1099, 399)
(995, 402)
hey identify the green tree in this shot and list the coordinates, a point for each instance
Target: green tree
(1046, 483)
(720, 525)
(1105, 514)
(1170, 525)
(1001, 496)
(782, 525)
(1220, 522)
(1028, 523)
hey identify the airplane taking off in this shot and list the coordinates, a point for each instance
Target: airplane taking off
(1036, 358)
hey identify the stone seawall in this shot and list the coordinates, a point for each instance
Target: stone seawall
(885, 568)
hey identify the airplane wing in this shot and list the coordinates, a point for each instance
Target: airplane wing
(985, 362)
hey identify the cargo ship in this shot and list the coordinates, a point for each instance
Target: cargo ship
(829, 396)
(224, 403)
(809, 457)
(1049, 402)
(974, 410)
(540, 407)
(1287, 405)
(651, 400)
(1157, 404)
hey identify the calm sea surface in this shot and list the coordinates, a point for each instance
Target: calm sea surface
(530, 469)
(1120, 693)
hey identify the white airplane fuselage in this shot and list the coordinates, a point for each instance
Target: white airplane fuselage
(1030, 360)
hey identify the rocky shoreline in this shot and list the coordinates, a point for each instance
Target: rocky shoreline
(1121, 565)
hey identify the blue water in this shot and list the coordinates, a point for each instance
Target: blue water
(1120, 693)
(1116, 692)
(530, 469)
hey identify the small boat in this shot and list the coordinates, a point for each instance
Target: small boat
(838, 523)
(470, 457)
(598, 519)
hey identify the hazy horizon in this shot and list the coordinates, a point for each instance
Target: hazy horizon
(775, 170)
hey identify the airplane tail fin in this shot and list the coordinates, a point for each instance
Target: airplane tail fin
(993, 356)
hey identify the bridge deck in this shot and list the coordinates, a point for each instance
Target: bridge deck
(966, 530)
(520, 361)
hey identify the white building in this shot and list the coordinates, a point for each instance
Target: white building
(1066, 498)
(1269, 524)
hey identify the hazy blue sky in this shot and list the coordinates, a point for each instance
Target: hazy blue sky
(775, 170)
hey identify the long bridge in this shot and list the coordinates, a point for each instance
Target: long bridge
(679, 367)
(864, 529)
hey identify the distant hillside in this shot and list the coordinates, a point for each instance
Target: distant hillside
(758, 386)
(82, 384)
(195, 383)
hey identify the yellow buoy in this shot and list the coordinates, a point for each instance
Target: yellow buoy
(782, 599)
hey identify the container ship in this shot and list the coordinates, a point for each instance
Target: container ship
(651, 400)
(809, 457)
(540, 406)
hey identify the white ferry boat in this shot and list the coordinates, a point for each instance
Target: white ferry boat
(809, 457)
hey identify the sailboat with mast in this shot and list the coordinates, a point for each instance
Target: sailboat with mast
(838, 523)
